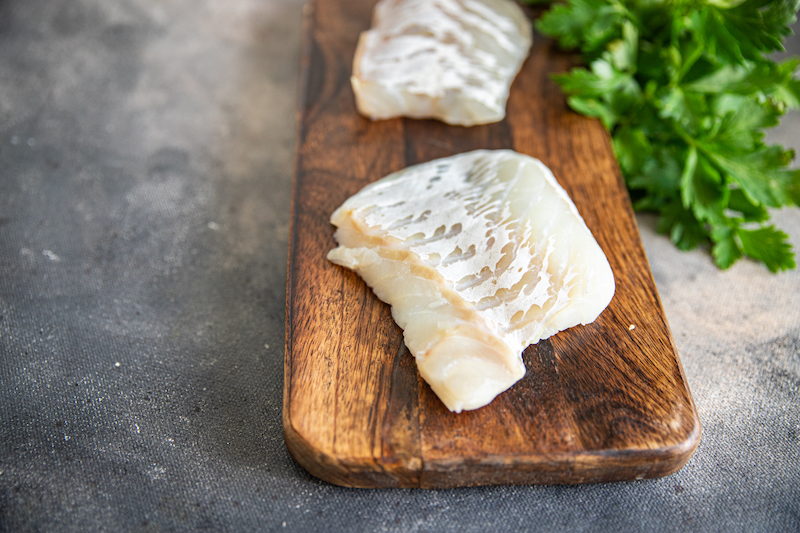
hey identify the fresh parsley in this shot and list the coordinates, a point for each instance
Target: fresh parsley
(686, 90)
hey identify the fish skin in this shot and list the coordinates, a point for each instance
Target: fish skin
(479, 255)
(452, 60)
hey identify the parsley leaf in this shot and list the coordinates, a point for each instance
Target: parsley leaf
(686, 90)
(769, 245)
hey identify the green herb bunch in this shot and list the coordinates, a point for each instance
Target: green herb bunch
(686, 91)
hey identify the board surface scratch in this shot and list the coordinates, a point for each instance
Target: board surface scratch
(601, 402)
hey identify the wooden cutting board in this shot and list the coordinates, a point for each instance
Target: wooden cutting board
(607, 401)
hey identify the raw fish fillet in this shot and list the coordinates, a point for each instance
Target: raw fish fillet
(448, 59)
(479, 255)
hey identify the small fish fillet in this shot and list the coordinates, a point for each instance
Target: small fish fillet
(479, 255)
(453, 60)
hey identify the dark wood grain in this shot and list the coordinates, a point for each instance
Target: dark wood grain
(600, 402)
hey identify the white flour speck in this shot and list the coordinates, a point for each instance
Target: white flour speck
(214, 226)
(51, 256)
(157, 472)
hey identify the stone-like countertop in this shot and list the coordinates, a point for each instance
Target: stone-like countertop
(146, 153)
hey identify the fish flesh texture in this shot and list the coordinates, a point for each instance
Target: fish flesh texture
(479, 255)
(453, 60)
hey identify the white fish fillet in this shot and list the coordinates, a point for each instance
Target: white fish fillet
(453, 60)
(479, 255)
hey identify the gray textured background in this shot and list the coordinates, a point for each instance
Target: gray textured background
(145, 166)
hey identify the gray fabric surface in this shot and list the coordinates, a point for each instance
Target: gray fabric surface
(145, 167)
